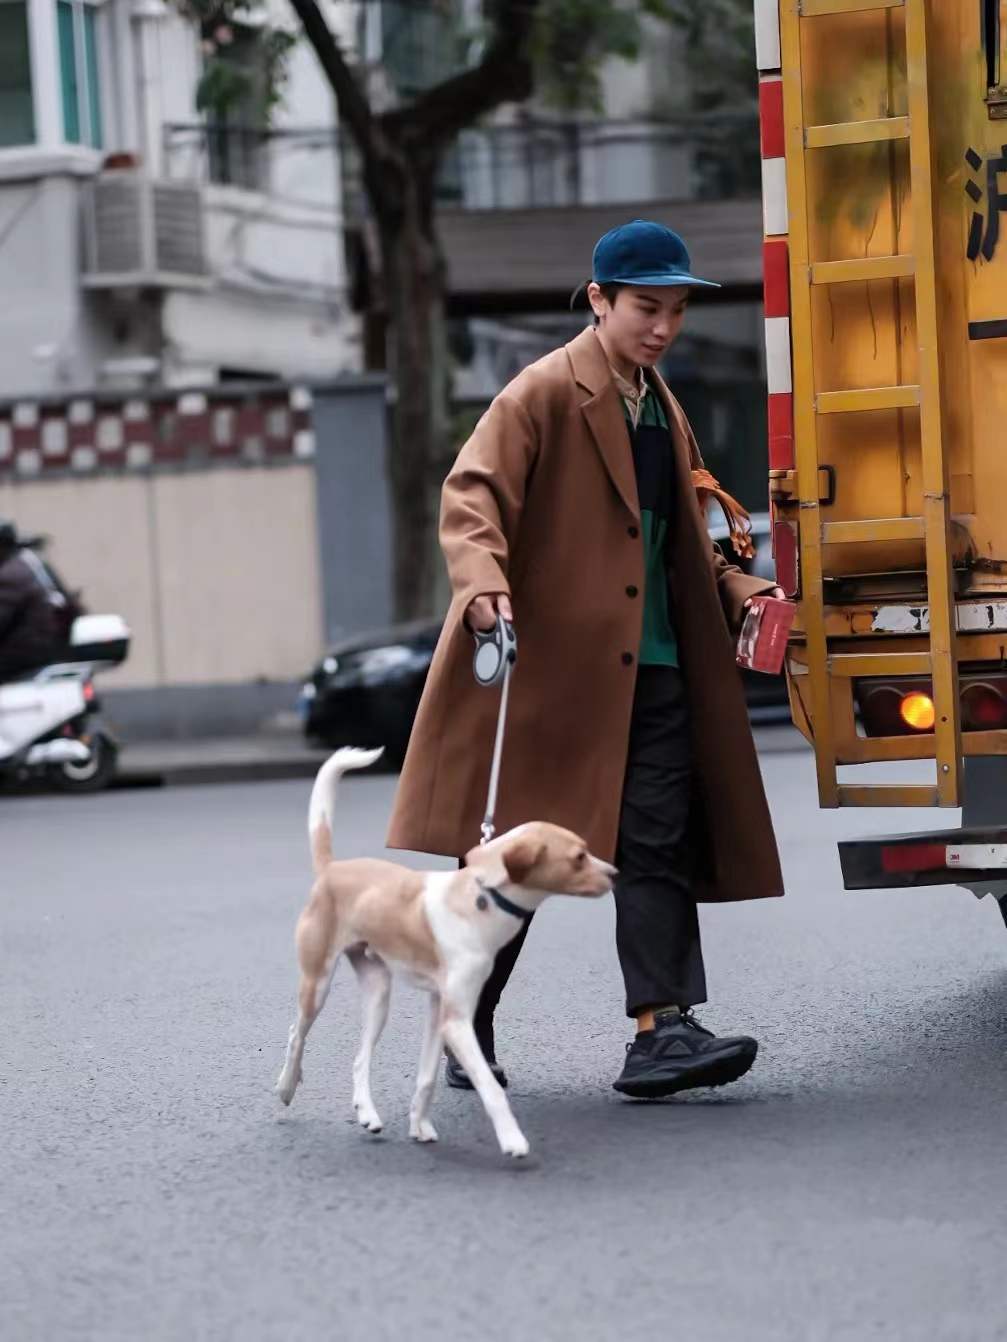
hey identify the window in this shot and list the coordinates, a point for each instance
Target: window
(78, 65)
(17, 116)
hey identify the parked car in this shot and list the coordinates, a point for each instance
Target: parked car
(366, 689)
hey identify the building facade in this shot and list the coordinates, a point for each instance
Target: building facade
(174, 278)
(142, 244)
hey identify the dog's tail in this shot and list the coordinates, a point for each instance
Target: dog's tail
(323, 798)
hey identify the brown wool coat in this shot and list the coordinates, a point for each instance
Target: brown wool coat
(542, 503)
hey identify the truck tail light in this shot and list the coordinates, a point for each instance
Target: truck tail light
(787, 557)
(917, 711)
(984, 705)
(906, 707)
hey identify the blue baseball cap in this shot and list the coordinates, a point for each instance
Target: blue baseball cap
(642, 252)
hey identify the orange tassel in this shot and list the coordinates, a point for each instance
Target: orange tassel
(738, 519)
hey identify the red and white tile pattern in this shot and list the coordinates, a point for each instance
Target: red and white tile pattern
(142, 433)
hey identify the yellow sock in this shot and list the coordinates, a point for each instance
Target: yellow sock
(645, 1019)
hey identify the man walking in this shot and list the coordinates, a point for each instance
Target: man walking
(573, 510)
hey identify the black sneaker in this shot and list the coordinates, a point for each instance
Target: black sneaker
(457, 1077)
(679, 1054)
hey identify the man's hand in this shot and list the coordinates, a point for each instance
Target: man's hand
(482, 612)
(777, 592)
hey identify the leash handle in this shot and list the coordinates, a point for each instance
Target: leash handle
(495, 656)
(496, 650)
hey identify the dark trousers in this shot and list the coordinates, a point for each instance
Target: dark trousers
(657, 927)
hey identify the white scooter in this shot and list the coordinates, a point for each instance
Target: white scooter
(48, 722)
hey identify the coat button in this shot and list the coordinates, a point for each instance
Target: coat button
(633, 531)
(627, 659)
(632, 591)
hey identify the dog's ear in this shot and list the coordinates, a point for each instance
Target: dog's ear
(487, 868)
(520, 857)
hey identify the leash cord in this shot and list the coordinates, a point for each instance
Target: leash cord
(488, 829)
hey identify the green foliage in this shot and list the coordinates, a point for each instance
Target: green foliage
(719, 37)
(717, 105)
(721, 103)
(275, 49)
(245, 68)
(223, 87)
(427, 41)
(574, 37)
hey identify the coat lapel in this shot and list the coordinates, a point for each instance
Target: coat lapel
(608, 429)
(604, 415)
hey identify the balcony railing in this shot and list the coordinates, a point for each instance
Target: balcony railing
(529, 165)
(590, 163)
(226, 155)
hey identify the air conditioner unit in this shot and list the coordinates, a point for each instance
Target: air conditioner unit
(141, 232)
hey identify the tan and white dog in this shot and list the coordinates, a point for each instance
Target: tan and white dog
(441, 929)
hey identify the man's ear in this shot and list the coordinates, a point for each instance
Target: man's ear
(520, 857)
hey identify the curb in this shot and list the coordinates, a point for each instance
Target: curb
(193, 772)
(196, 775)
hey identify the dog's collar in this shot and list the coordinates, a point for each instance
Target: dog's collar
(505, 904)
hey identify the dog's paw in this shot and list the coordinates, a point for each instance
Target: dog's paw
(368, 1117)
(423, 1131)
(286, 1086)
(516, 1147)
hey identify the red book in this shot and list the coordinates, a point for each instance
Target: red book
(764, 634)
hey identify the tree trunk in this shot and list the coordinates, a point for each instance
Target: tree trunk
(414, 290)
(400, 151)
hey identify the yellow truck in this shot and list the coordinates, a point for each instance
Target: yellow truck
(884, 142)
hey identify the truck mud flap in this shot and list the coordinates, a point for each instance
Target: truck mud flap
(973, 856)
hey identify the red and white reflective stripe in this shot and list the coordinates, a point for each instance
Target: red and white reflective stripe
(779, 377)
(776, 277)
(778, 374)
(977, 856)
(776, 264)
(774, 165)
(915, 857)
(781, 432)
(910, 857)
(767, 34)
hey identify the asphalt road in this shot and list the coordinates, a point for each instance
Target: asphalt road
(852, 1187)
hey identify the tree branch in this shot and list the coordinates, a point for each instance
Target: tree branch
(353, 105)
(504, 74)
(354, 108)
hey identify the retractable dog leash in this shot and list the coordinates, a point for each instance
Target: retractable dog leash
(495, 655)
